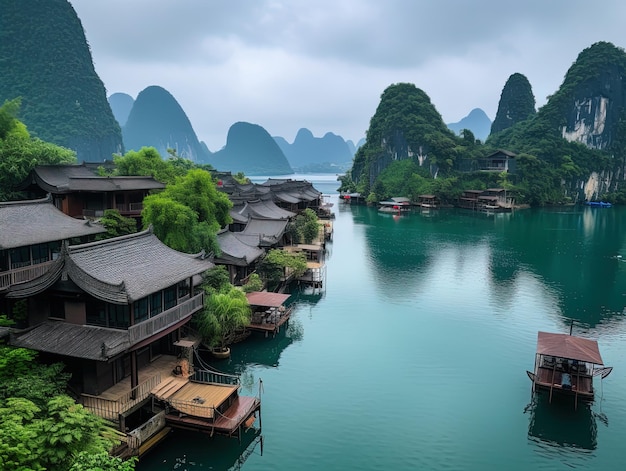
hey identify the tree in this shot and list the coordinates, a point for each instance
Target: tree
(116, 224)
(147, 162)
(19, 153)
(187, 215)
(276, 262)
(225, 313)
(216, 280)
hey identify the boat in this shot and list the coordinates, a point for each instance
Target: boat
(599, 204)
(565, 365)
(395, 205)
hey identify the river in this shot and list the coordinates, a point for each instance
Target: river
(414, 355)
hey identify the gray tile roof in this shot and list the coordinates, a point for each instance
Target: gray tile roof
(128, 268)
(236, 251)
(265, 209)
(268, 231)
(32, 222)
(71, 178)
(79, 341)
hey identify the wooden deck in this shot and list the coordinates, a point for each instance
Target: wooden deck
(226, 423)
(271, 326)
(548, 378)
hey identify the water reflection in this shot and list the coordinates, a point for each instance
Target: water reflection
(560, 427)
(223, 452)
(577, 252)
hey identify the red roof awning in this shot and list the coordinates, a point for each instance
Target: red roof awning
(568, 346)
(266, 299)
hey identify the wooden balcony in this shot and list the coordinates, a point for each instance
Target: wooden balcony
(121, 398)
(23, 274)
(156, 324)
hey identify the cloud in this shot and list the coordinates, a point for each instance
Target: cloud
(323, 65)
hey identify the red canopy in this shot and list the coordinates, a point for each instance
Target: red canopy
(266, 299)
(568, 346)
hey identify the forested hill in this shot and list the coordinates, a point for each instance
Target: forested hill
(405, 125)
(581, 131)
(250, 149)
(157, 120)
(45, 60)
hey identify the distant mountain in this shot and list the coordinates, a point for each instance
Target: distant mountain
(477, 121)
(157, 120)
(308, 153)
(45, 60)
(121, 104)
(250, 149)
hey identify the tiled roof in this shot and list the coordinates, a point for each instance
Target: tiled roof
(128, 268)
(79, 341)
(235, 251)
(32, 222)
(266, 298)
(70, 178)
(265, 209)
(268, 230)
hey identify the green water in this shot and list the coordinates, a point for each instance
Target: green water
(414, 356)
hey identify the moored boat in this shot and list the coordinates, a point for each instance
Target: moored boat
(566, 364)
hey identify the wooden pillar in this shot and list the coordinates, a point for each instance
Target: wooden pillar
(134, 373)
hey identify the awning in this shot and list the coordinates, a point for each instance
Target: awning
(568, 346)
(266, 299)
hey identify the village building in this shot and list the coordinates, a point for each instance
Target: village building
(109, 309)
(31, 239)
(79, 192)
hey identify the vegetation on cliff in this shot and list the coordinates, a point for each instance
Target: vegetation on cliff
(19, 152)
(47, 63)
(516, 104)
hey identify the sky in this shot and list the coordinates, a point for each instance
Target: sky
(323, 64)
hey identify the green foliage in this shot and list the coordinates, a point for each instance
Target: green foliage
(116, 224)
(147, 162)
(304, 228)
(517, 103)
(20, 436)
(187, 215)
(224, 314)
(241, 178)
(19, 153)
(101, 461)
(216, 280)
(69, 429)
(48, 64)
(346, 183)
(276, 262)
(15, 362)
(255, 283)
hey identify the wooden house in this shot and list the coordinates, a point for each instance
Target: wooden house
(79, 192)
(237, 256)
(108, 310)
(31, 236)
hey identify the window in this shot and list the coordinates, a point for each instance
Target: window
(20, 257)
(40, 253)
(183, 289)
(156, 303)
(170, 297)
(140, 310)
(96, 313)
(119, 317)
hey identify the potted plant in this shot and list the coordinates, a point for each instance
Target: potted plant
(225, 314)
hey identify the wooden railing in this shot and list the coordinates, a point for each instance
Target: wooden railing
(208, 377)
(23, 274)
(129, 208)
(165, 319)
(110, 409)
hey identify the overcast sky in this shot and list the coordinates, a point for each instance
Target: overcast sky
(323, 64)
